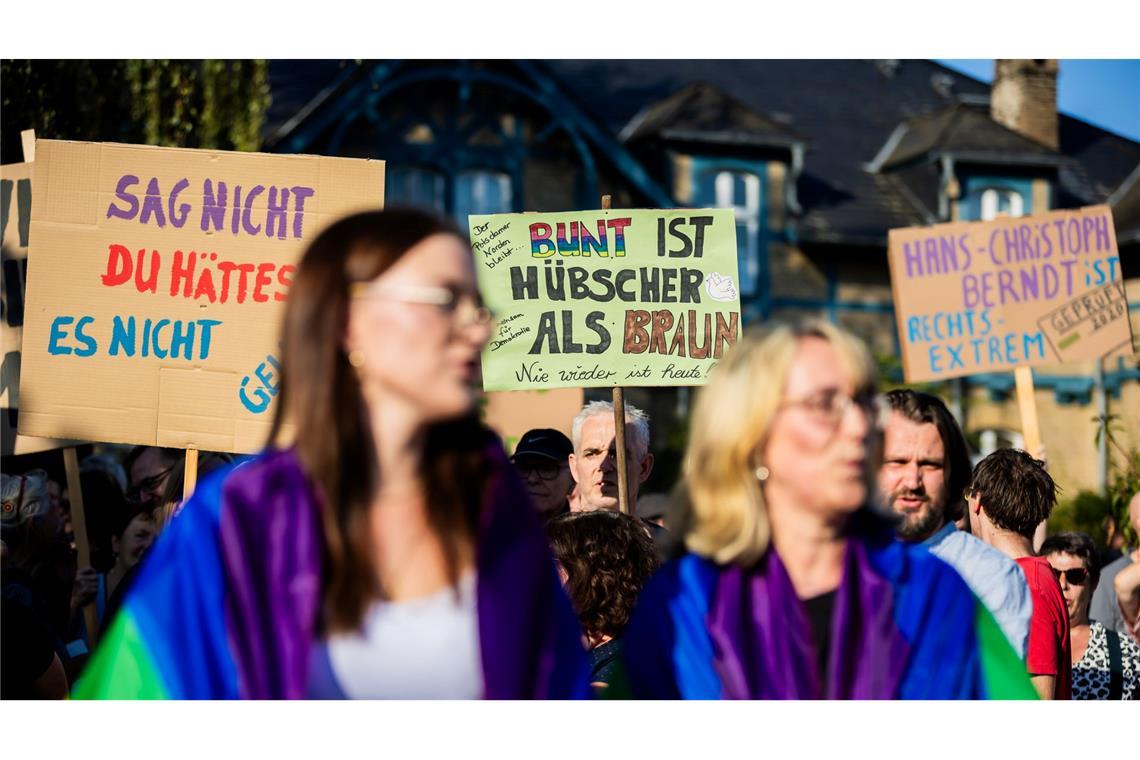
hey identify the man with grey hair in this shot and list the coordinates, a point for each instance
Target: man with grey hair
(593, 462)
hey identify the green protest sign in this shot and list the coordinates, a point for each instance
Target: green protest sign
(607, 298)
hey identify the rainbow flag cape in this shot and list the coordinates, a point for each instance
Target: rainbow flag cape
(226, 603)
(904, 626)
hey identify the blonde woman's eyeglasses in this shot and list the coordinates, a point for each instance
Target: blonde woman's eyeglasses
(463, 308)
(830, 406)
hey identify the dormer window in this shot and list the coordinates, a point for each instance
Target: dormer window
(998, 201)
(990, 197)
(740, 191)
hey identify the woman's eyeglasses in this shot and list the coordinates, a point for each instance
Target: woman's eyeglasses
(830, 406)
(1075, 576)
(462, 308)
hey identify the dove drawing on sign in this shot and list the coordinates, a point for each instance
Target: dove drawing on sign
(720, 287)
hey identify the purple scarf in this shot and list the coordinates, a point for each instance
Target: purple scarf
(272, 539)
(763, 639)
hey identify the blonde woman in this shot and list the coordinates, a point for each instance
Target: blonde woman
(790, 585)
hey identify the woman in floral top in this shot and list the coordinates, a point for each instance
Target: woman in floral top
(1106, 665)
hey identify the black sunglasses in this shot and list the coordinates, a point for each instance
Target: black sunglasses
(1076, 576)
(545, 470)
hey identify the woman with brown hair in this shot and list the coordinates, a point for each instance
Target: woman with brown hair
(390, 550)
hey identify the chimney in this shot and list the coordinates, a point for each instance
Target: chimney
(1024, 98)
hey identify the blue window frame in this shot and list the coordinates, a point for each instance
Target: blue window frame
(742, 187)
(415, 186)
(987, 197)
(481, 192)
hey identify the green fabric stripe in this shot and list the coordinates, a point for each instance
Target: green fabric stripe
(121, 667)
(1003, 670)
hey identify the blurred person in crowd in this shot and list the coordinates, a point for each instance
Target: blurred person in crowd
(1113, 548)
(29, 665)
(107, 464)
(542, 459)
(791, 585)
(1009, 495)
(38, 568)
(34, 624)
(391, 551)
(1106, 606)
(134, 535)
(1127, 585)
(604, 559)
(149, 468)
(104, 506)
(653, 508)
(574, 498)
(926, 466)
(594, 460)
(1106, 665)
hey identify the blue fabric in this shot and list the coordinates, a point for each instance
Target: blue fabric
(993, 577)
(935, 611)
(668, 653)
(177, 601)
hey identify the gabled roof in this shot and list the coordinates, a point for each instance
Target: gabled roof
(1125, 203)
(844, 111)
(701, 112)
(960, 130)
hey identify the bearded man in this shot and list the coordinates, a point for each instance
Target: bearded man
(926, 467)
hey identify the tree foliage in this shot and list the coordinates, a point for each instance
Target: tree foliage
(180, 103)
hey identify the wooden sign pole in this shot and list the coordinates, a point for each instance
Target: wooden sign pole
(71, 469)
(1030, 429)
(190, 476)
(619, 429)
(28, 140)
(79, 527)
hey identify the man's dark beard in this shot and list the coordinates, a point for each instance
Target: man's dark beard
(921, 525)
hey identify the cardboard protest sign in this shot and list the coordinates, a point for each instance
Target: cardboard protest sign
(607, 298)
(156, 283)
(15, 222)
(992, 296)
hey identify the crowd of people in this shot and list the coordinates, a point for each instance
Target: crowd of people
(823, 539)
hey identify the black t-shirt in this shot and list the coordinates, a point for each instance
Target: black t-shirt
(26, 644)
(819, 609)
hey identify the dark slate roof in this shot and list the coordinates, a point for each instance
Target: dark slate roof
(1125, 203)
(845, 111)
(960, 129)
(701, 112)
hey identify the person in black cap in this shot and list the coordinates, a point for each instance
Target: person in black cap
(542, 459)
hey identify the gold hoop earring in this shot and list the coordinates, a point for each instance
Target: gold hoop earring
(356, 358)
(762, 473)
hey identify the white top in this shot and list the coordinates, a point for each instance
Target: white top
(993, 577)
(420, 649)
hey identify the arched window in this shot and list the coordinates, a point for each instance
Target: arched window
(740, 191)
